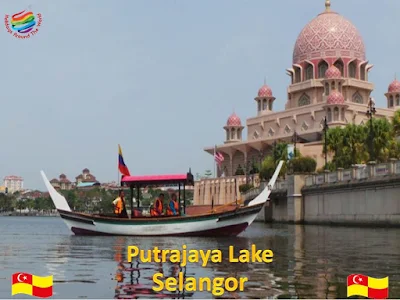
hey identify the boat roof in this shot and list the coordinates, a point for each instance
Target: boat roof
(169, 179)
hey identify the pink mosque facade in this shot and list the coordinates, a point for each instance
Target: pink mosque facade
(329, 78)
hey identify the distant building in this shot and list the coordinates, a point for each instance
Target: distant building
(113, 185)
(63, 183)
(31, 194)
(13, 183)
(86, 180)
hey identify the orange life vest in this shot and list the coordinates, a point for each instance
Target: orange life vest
(118, 206)
(158, 208)
(176, 206)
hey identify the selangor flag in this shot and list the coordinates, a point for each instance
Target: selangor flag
(361, 285)
(24, 283)
(121, 164)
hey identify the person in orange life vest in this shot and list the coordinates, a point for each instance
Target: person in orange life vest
(173, 206)
(158, 206)
(119, 204)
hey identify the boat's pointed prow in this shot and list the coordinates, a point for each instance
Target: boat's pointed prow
(264, 195)
(59, 201)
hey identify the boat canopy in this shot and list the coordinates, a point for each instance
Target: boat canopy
(171, 179)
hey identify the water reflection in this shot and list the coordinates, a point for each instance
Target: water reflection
(309, 261)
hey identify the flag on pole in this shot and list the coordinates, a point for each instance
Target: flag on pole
(218, 157)
(121, 164)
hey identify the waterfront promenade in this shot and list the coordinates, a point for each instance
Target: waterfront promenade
(363, 195)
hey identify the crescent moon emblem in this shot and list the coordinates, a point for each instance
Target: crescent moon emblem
(354, 279)
(19, 279)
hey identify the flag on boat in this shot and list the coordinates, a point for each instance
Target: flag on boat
(121, 164)
(218, 156)
(365, 286)
(32, 285)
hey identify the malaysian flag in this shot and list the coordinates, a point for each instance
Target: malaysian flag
(219, 158)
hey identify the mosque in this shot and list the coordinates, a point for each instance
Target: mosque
(329, 78)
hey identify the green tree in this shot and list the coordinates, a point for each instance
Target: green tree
(267, 168)
(396, 123)
(21, 205)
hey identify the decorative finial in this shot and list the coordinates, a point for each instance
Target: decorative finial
(327, 5)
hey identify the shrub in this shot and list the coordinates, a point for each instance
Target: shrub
(267, 168)
(239, 170)
(304, 164)
(243, 188)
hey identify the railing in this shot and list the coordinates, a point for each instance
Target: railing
(280, 184)
(357, 172)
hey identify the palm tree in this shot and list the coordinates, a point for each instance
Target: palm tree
(354, 150)
(334, 142)
(396, 123)
(383, 134)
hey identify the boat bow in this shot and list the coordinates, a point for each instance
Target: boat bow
(264, 195)
(59, 201)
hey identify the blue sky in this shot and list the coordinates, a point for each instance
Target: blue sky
(158, 77)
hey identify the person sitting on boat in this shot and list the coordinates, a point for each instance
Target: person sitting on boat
(157, 209)
(119, 205)
(173, 206)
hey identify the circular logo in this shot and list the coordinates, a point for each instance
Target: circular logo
(23, 24)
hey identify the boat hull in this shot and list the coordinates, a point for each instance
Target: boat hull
(229, 223)
(226, 223)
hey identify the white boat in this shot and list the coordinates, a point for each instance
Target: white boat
(227, 220)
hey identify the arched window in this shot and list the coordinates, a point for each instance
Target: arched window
(357, 98)
(336, 114)
(232, 134)
(339, 64)
(322, 67)
(329, 115)
(309, 72)
(352, 70)
(326, 89)
(397, 100)
(270, 105)
(227, 135)
(259, 105)
(304, 100)
(264, 104)
(342, 117)
(391, 101)
(340, 87)
(333, 85)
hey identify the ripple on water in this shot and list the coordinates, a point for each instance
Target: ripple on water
(309, 261)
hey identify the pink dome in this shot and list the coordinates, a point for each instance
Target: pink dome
(328, 35)
(335, 97)
(265, 91)
(234, 120)
(394, 86)
(333, 73)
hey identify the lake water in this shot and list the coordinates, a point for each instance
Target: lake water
(309, 261)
